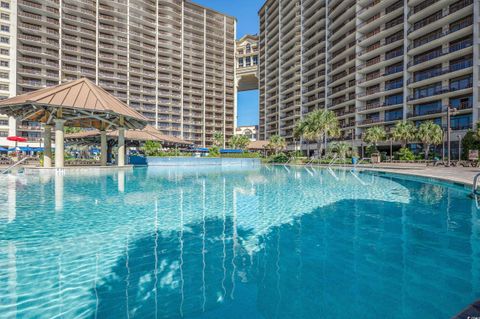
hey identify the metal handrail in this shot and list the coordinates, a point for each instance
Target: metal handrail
(475, 184)
(333, 160)
(14, 165)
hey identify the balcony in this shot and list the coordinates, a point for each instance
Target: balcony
(430, 20)
(435, 54)
(440, 35)
(439, 72)
(439, 91)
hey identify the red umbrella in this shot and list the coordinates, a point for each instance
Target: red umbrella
(16, 139)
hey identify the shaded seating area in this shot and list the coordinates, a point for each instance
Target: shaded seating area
(78, 103)
(133, 138)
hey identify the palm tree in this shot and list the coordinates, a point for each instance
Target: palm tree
(318, 124)
(404, 132)
(301, 130)
(218, 139)
(239, 142)
(276, 143)
(374, 134)
(341, 148)
(429, 133)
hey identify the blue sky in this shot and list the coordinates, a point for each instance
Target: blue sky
(246, 12)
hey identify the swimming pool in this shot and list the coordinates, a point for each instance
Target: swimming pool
(259, 242)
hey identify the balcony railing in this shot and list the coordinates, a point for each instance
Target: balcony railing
(437, 72)
(435, 54)
(442, 90)
(439, 35)
(453, 8)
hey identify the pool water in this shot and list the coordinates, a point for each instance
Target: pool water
(257, 242)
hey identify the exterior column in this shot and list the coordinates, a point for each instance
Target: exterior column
(59, 143)
(47, 154)
(103, 148)
(121, 146)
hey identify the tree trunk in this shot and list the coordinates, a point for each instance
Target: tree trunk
(426, 150)
(320, 148)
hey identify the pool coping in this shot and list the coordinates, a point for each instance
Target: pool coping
(404, 171)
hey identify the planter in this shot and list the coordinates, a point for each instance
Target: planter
(376, 158)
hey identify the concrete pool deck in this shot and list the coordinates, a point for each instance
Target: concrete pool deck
(464, 175)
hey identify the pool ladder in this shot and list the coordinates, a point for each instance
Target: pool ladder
(14, 165)
(475, 190)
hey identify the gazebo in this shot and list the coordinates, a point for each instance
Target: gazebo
(78, 103)
(133, 138)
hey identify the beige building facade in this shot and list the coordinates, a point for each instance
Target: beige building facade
(372, 62)
(171, 60)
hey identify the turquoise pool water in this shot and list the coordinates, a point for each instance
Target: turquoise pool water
(236, 243)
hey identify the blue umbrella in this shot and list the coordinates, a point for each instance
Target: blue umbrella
(3, 149)
(26, 149)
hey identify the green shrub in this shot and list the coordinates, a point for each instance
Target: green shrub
(405, 154)
(279, 158)
(242, 155)
(370, 150)
(214, 151)
(469, 142)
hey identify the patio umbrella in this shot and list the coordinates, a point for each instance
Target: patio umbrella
(16, 139)
(3, 149)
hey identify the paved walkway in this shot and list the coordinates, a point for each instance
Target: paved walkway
(463, 175)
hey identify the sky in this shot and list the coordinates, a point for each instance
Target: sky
(246, 12)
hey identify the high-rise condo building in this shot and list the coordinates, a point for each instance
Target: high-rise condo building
(7, 59)
(172, 60)
(247, 63)
(372, 62)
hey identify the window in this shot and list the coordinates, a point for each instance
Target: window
(394, 115)
(394, 99)
(248, 48)
(461, 63)
(4, 51)
(4, 40)
(4, 16)
(4, 87)
(255, 60)
(240, 62)
(248, 61)
(4, 75)
(428, 90)
(461, 83)
(5, 28)
(462, 102)
(428, 73)
(4, 122)
(428, 108)
(461, 122)
(437, 120)
(393, 84)
(395, 68)
(5, 4)
(4, 63)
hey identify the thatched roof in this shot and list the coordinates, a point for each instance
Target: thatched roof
(149, 133)
(257, 145)
(81, 103)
